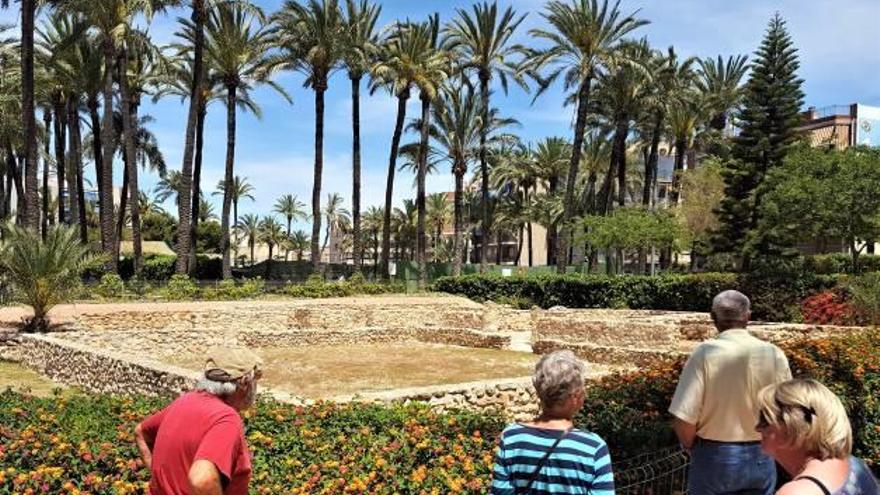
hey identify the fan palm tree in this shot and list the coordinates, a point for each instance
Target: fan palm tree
(373, 218)
(292, 209)
(408, 57)
(312, 38)
(585, 37)
(249, 228)
(482, 43)
(239, 54)
(361, 45)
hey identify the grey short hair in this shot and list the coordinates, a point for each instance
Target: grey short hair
(731, 306)
(557, 376)
(222, 389)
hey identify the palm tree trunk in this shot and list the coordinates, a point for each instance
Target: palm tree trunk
(235, 224)
(320, 87)
(623, 129)
(287, 248)
(108, 231)
(131, 165)
(357, 246)
(389, 186)
(498, 239)
(97, 150)
(29, 124)
(459, 171)
(653, 157)
(197, 180)
(577, 144)
(421, 236)
(47, 124)
(519, 247)
(484, 170)
(680, 149)
(15, 172)
(77, 159)
(74, 165)
(123, 200)
(185, 243)
(227, 191)
(252, 253)
(60, 138)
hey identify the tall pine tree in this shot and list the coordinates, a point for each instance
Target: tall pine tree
(767, 121)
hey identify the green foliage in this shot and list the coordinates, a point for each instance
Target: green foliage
(43, 273)
(770, 113)
(228, 290)
(111, 286)
(821, 193)
(865, 292)
(631, 229)
(315, 287)
(138, 286)
(158, 226)
(180, 287)
(209, 234)
(826, 264)
(381, 449)
(692, 292)
(158, 267)
(777, 286)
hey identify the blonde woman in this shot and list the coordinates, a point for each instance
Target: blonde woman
(804, 426)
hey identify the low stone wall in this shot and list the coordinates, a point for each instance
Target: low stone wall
(103, 372)
(603, 354)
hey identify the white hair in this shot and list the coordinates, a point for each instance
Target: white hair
(731, 306)
(225, 389)
(557, 376)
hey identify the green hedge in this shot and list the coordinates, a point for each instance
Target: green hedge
(774, 295)
(827, 264)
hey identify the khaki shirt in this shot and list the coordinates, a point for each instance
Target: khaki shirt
(720, 382)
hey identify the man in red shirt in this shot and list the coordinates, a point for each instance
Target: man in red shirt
(196, 445)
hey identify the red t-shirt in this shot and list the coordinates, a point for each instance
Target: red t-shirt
(197, 426)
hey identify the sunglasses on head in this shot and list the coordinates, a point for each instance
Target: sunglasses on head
(809, 412)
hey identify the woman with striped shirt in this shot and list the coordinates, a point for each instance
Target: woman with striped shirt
(549, 455)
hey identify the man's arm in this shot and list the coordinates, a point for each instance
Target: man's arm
(686, 433)
(144, 445)
(204, 478)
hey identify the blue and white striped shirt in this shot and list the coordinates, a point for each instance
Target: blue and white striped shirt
(580, 464)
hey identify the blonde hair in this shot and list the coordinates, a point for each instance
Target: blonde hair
(557, 376)
(810, 415)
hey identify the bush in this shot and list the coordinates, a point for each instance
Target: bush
(691, 292)
(111, 287)
(315, 288)
(86, 444)
(866, 297)
(158, 267)
(180, 287)
(827, 308)
(828, 264)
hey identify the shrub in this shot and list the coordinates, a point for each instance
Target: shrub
(827, 264)
(827, 308)
(42, 272)
(866, 297)
(110, 286)
(158, 267)
(180, 287)
(86, 444)
(138, 286)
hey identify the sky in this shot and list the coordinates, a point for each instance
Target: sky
(839, 49)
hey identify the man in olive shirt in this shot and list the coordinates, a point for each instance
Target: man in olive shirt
(714, 404)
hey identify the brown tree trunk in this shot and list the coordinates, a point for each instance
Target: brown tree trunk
(320, 87)
(680, 149)
(97, 150)
(197, 179)
(389, 186)
(484, 170)
(357, 246)
(227, 191)
(47, 124)
(29, 124)
(58, 126)
(108, 230)
(653, 157)
(421, 236)
(623, 129)
(77, 164)
(577, 144)
(185, 243)
(74, 161)
(131, 162)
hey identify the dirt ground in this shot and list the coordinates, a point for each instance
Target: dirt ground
(327, 371)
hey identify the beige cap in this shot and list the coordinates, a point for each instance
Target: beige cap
(231, 363)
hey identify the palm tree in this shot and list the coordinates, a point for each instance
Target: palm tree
(373, 218)
(408, 56)
(312, 38)
(438, 214)
(270, 233)
(335, 215)
(149, 206)
(241, 189)
(720, 81)
(517, 168)
(292, 209)
(361, 44)
(552, 156)
(248, 228)
(685, 117)
(239, 54)
(585, 37)
(483, 43)
(206, 211)
(299, 242)
(168, 187)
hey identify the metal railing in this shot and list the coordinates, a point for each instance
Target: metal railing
(831, 110)
(662, 472)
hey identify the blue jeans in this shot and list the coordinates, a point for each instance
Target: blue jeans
(730, 468)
